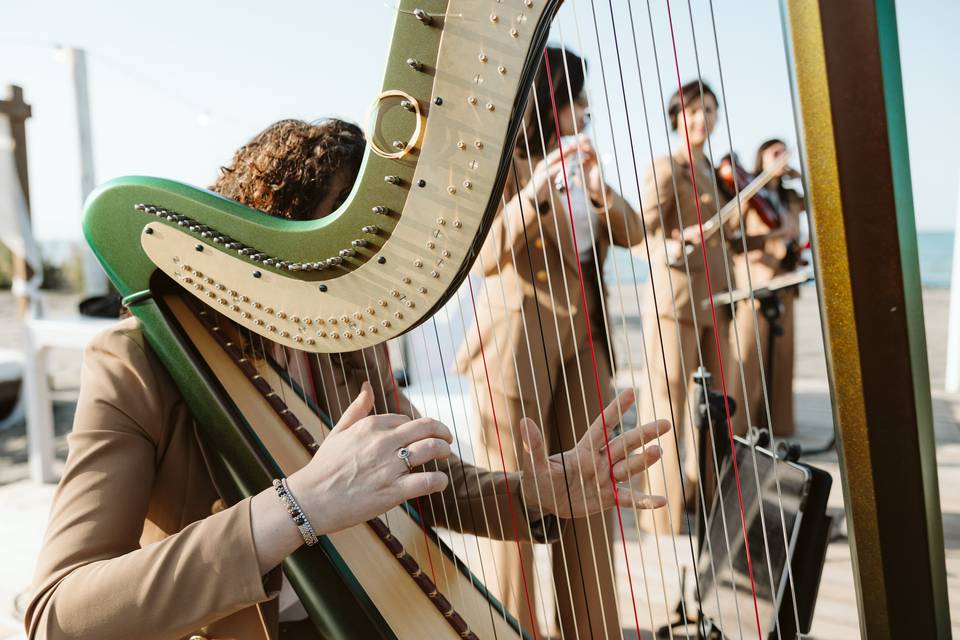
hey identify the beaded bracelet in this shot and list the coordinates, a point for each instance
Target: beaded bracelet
(293, 508)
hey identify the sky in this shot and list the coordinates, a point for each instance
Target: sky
(176, 86)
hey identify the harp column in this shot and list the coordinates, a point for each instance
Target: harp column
(849, 100)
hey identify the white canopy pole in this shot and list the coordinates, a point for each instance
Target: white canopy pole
(94, 280)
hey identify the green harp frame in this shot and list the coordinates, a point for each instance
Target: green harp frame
(117, 220)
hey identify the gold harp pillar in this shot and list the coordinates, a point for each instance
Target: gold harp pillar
(849, 102)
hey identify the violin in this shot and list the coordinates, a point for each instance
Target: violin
(730, 169)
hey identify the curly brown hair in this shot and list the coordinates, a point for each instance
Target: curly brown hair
(288, 168)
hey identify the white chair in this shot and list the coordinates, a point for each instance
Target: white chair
(41, 335)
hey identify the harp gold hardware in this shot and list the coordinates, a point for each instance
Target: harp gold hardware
(415, 136)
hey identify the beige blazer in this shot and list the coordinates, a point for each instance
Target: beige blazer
(529, 260)
(667, 199)
(138, 544)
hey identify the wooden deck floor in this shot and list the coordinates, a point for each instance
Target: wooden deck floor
(836, 616)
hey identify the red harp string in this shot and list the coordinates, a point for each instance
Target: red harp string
(713, 314)
(593, 355)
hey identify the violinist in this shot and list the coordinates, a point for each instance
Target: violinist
(772, 237)
(673, 316)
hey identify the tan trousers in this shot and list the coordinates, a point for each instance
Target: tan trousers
(581, 567)
(781, 380)
(669, 393)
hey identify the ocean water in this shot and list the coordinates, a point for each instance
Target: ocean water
(935, 249)
(936, 258)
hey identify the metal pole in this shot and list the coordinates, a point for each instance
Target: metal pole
(95, 281)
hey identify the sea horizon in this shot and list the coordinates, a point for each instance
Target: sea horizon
(935, 249)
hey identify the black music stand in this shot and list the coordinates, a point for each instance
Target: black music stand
(771, 308)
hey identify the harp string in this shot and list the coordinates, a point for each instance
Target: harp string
(514, 422)
(429, 499)
(496, 424)
(333, 383)
(562, 361)
(593, 355)
(541, 423)
(417, 504)
(317, 373)
(600, 285)
(684, 375)
(563, 367)
(739, 353)
(423, 395)
(477, 449)
(710, 428)
(676, 437)
(569, 406)
(736, 331)
(554, 417)
(490, 466)
(436, 398)
(473, 520)
(713, 313)
(644, 349)
(581, 383)
(619, 282)
(393, 378)
(386, 515)
(537, 400)
(380, 373)
(756, 325)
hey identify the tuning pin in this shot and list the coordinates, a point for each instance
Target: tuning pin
(422, 16)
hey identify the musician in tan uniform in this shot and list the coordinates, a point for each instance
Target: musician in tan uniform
(140, 545)
(536, 358)
(678, 327)
(771, 252)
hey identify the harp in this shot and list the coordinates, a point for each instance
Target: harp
(442, 136)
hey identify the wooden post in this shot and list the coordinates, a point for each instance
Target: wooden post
(17, 111)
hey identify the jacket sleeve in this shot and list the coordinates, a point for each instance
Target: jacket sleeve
(516, 222)
(93, 578)
(658, 196)
(626, 225)
(487, 503)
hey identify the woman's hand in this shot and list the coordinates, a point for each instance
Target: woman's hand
(543, 476)
(593, 175)
(677, 243)
(356, 473)
(354, 476)
(546, 172)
